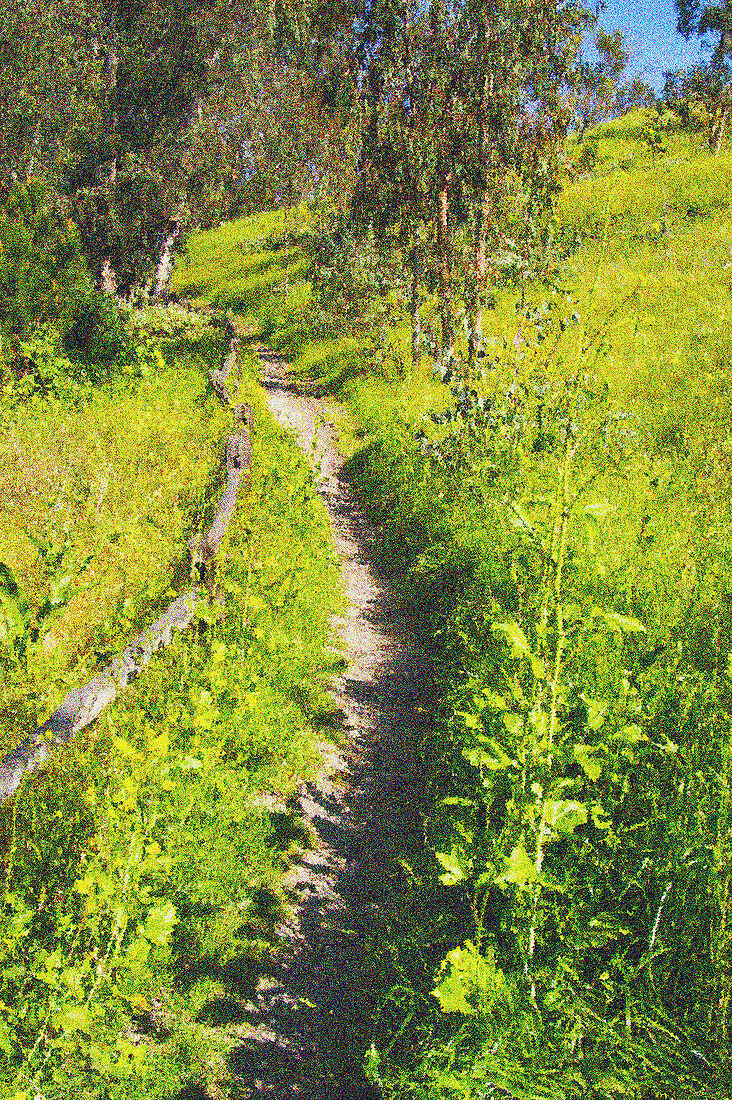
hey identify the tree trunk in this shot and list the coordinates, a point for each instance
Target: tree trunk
(108, 172)
(444, 261)
(475, 335)
(718, 131)
(108, 278)
(165, 263)
(414, 320)
(475, 306)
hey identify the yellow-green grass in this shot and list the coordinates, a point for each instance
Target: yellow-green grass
(235, 267)
(119, 484)
(645, 201)
(638, 138)
(197, 762)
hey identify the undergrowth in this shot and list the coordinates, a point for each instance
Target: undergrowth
(142, 867)
(559, 526)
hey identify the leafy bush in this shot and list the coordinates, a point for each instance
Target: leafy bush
(41, 262)
(129, 885)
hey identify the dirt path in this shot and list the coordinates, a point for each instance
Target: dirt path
(308, 1025)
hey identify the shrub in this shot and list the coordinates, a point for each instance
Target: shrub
(41, 262)
(93, 330)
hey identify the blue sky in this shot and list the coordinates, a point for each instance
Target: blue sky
(649, 27)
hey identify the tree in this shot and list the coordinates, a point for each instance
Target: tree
(596, 83)
(597, 90)
(123, 106)
(634, 95)
(708, 86)
(463, 122)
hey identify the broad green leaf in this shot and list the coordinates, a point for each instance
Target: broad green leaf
(453, 868)
(494, 700)
(515, 636)
(587, 758)
(633, 734)
(596, 710)
(600, 510)
(159, 746)
(520, 868)
(159, 923)
(564, 815)
(450, 994)
(189, 763)
(514, 723)
(74, 1018)
(464, 973)
(137, 954)
(491, 757)
(86, 885)
(622, 623)
(124, 748)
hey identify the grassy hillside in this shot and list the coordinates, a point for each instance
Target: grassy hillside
(562, 530)
(134, 894)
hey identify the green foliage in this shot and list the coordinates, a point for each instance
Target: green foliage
(41, 263)
(567, 778)
(560, 526)
(647, 201)
(94, 331)
(142, 867)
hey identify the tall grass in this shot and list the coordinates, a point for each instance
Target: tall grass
(562, 532)
(141, 869)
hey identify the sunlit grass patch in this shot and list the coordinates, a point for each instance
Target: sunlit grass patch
(645, 201)
(166, 824)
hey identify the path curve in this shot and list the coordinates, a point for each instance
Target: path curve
(308, 1025)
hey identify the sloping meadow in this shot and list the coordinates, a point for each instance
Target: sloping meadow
(560, 524)
(142, 865)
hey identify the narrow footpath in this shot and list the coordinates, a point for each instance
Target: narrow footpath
(308, 1024)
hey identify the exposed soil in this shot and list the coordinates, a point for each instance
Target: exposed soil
(304, 1031)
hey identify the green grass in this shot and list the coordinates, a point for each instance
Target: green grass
(649, 538)
(224, 726)
(179, 794)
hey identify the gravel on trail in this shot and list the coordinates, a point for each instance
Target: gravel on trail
(305, 1029)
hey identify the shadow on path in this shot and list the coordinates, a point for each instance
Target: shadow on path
(305, 1030)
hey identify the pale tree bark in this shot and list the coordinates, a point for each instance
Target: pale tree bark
(475, 335)
(475, 305)
(444, 268)
(108, 172)
(164, 268)
(165, 263)
(486, 200)
(416, 328)
(720, 122)
(443, 182)
(108, 278)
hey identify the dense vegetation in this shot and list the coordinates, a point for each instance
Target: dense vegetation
(142, 867)
(526, 316)
(560, 524)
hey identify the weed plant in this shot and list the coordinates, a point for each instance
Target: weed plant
(560, 526)
(141, 869)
